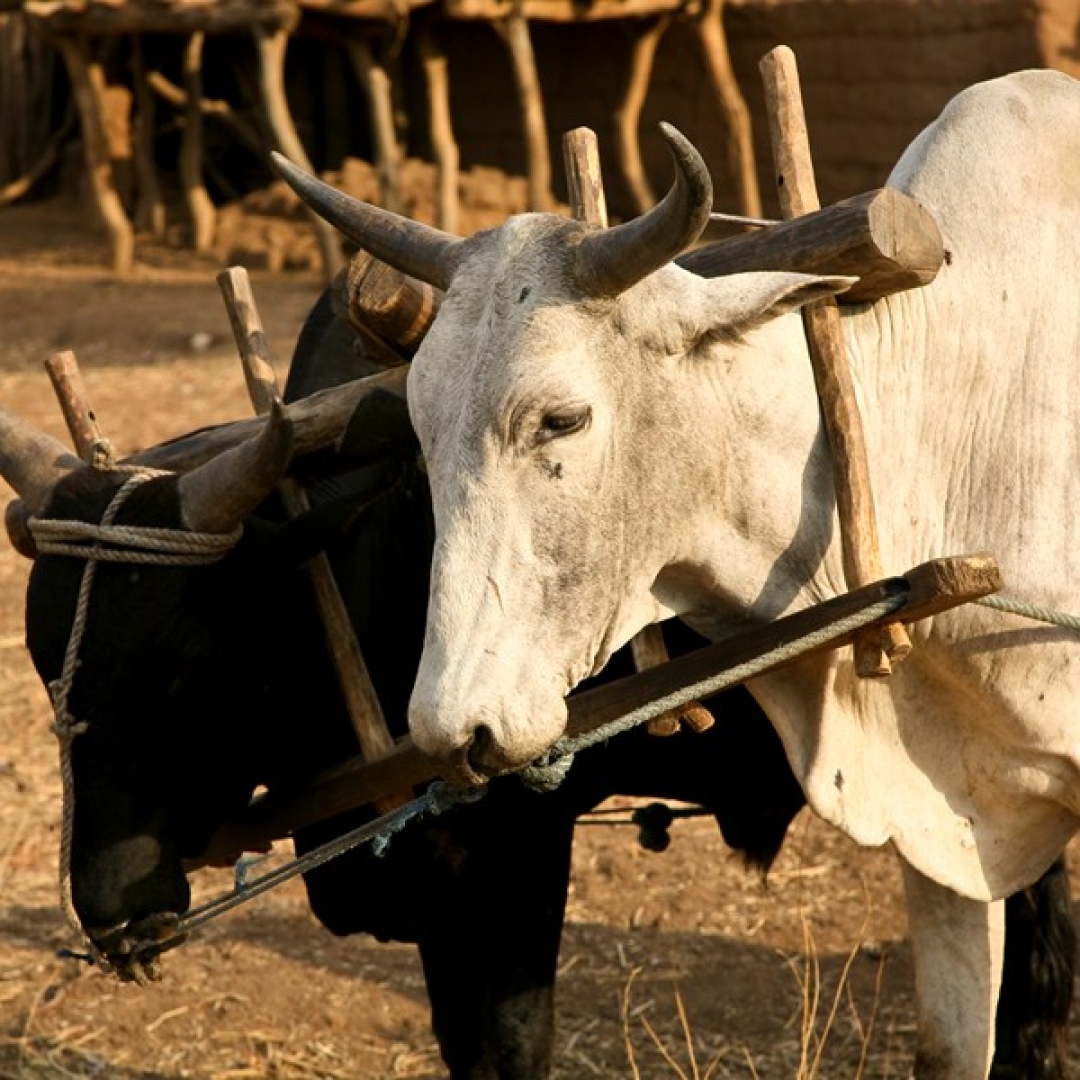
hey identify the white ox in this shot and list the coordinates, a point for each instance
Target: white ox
(612, 440)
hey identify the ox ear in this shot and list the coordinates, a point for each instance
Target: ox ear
(745, 301)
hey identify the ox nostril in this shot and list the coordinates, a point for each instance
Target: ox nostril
(478, 755)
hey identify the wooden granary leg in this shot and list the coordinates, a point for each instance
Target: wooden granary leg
(149, 204)
(88, 85)
(708, 24)
(200, 205)
(372, 75)
(447, 157)
(515, 31)
(270, 47)
(628, 111)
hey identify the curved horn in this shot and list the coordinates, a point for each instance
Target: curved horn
(31, 461)
(609, 261)
(410, 246)
(217, 496)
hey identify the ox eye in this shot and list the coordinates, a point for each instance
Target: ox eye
(564, 422)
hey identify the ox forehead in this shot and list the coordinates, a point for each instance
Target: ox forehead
(727, 509)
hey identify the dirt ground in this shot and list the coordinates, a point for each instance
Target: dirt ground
(678, 964)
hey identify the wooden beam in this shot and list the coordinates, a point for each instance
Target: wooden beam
(396, 308)
(150, 17)
(883, 237)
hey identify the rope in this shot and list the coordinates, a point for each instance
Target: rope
(438, 798)
(1030, 611)
(66, 728)
(140, 544)
(159, 546)
(550, 770)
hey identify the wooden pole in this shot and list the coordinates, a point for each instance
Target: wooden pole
(876, 649)
(270, 48)
(200, 205)
(627, 114)
(360, 697)
(88, 86)
(708, 23)
(443, 143)
(515, 31)
(373, 76)
(584, 181)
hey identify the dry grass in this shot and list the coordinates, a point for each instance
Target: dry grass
(819, 1010)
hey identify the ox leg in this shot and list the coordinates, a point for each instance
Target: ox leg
(1037, 981)
(490, 963)
(958, 946)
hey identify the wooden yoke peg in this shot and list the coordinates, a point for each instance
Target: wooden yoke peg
(876, 648)
(363, 704)
(581, 157)
(82, 424)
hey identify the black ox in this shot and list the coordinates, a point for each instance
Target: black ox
(198, 683)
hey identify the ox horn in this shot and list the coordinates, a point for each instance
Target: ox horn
(609, 261)
(31, 461)
(217, 496)
(412, 247)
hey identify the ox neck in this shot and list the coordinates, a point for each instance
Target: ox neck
(765, 539)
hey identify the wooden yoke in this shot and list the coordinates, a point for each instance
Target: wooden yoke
(363, 704)
(581, 157)
(877, 648)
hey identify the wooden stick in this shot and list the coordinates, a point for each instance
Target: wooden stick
(440, 122)
(584, 181)
(646, 35)
(360, 697)
(875, 649)
(81, 422)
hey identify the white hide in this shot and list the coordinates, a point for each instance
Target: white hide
(699, 484)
